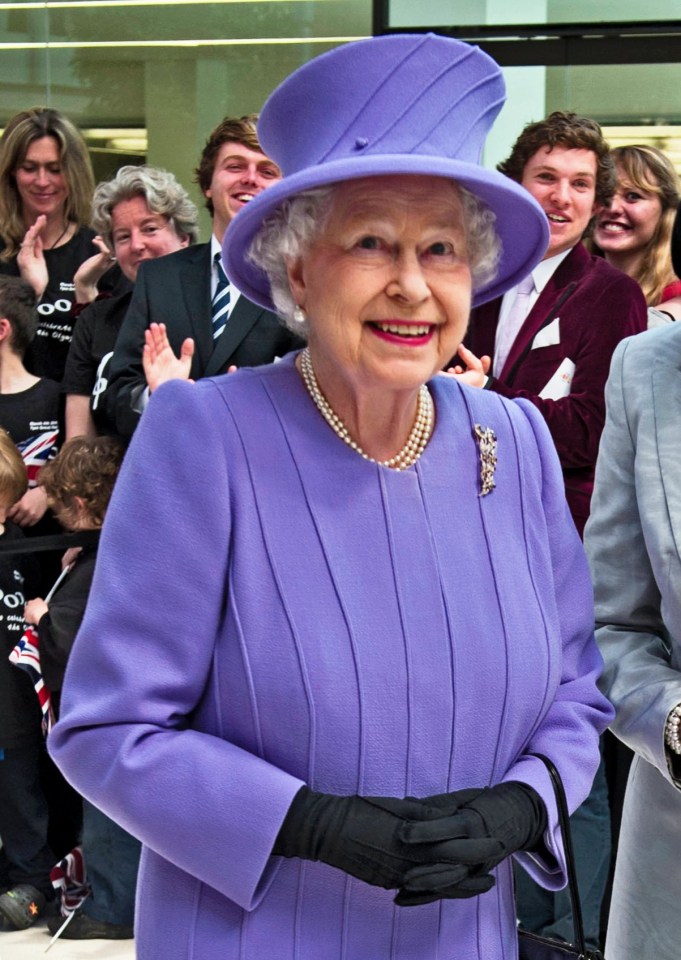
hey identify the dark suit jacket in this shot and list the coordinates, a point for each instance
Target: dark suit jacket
(175, 290)
(597, 306)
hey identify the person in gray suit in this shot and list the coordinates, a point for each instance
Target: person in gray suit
(172, 304)
(633, 540)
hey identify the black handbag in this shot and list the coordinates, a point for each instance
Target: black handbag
(533, 946)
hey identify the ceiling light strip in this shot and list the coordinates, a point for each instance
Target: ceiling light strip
(76, 4)
(123, 44)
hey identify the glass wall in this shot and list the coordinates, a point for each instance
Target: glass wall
(149, 79)
(634, 101)
(406, 13)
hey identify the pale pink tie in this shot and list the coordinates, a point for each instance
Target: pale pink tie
(513, 322)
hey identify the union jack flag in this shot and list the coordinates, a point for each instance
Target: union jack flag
(27, 656)
(36, 451)
(70, 877)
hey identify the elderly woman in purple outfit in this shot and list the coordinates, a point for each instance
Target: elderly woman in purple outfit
(339, 603)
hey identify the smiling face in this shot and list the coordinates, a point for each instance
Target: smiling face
(386, 285)
(140, 234)
(239, 175)
(629, 223)
(563, 181)
(40, 181)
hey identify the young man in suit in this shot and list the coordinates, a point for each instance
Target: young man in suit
(178, 291)
(551, 341)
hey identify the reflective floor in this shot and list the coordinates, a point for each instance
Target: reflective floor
(31, 944)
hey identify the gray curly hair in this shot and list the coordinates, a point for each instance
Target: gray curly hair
(161, 192)
(292, 228)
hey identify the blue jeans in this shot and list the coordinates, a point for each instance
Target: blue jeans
(550, 913)
(111, 860)
(26, 856)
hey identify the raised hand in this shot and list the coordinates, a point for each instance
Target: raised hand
(30, 259)
(91, 271)
(474, 370)
(159, 361)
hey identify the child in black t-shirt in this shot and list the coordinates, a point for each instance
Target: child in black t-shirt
(31, 411)
(78, 484)
(30, 406)
(25, 857)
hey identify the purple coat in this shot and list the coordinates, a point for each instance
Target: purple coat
(270, 609)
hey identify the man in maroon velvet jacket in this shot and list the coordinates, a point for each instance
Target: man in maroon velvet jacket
(557, 355)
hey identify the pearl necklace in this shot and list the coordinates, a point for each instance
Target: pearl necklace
(416, 441)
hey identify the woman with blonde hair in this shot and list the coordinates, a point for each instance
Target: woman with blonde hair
(633, 232)
(46, 187)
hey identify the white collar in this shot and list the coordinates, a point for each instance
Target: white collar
(545, 269)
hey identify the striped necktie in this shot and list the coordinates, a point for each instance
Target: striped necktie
(220, 308)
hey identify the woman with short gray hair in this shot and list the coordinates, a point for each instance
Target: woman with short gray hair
(161, 191)
(140, 214)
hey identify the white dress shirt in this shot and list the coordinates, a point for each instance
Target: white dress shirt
(505, 337)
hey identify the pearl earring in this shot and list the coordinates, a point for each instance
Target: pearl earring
(299, 315)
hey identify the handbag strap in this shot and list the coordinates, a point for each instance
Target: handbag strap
(564, 821)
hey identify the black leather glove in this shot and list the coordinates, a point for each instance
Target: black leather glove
(363, 837)
(485, 827)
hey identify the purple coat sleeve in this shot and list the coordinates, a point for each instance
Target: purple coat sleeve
(144, 653)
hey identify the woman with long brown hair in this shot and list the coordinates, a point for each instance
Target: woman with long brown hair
(46, 187)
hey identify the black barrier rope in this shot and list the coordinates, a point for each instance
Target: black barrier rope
(53, 542)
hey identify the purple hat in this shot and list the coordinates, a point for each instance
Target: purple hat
(400, 104)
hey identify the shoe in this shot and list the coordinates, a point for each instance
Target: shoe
(52, 908)
(83, 927)
(21, 906)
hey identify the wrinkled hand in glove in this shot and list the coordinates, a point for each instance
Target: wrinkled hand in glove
(364, 836)
(482, 828)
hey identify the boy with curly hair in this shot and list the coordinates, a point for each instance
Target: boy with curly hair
(78, 484)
